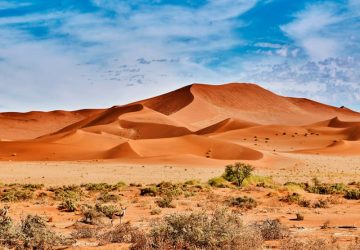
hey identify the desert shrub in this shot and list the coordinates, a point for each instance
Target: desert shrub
(272, 229)
(68, 205)
(70, 192)
(304, 203)
(103, 187)
(243, 202)
(33, 186)
(107, 210)
(293, 186)
(91, 215)
(323, 188)
(291, 198)
(321, 204)
(238, 172)
(155, 211)
(85, 233)
(32, 233)
(149, 191)
(14, 194)
(218, 182)
(108, 197)
(352, 194)
(6, 224)
(259, 181)
(168, 188)
(165, 201)
(220, 230)
(309, 244)
(124, 233)
(192, 182)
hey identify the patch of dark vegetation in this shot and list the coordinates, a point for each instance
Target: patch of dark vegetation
(237, 173)
(245, 203)
(103, 187)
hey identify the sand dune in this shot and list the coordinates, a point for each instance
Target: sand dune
(195, 123)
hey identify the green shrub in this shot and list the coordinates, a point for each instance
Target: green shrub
(218, 182)
(68, 205)
(108, 197)
(291, 198)
(243, 202)
(71, 192)
(107, 210)
(16, 194)
(337, 188)
(237, 173)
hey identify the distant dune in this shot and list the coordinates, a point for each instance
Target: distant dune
(236, 121)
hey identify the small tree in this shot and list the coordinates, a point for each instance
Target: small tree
(238, 172)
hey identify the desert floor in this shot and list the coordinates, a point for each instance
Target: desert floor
(341, 216)
(281, 167)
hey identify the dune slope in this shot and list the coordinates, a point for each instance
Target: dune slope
(211, 122)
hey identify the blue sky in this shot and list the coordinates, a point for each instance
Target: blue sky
(70, 54)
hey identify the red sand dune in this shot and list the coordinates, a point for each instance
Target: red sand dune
(210, 122)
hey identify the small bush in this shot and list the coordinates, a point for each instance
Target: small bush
(108, 197)
(291, 198)
(68, 205)
(218, 182)
(308, 244)
(165, 202)
(352, 194)
(124, 233)
(304, 203)
(155, 211)
(318, 188)
(16, 195)
(107, 210)
(32, 233)
(220, 230)
(149, 191)
(71, 192)
(272, 230)
(243, 202)
(237, 173)
(321, 204)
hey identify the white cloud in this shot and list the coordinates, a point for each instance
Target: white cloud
(310, 31)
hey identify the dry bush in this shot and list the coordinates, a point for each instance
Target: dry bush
(220, 230)
(308, 244)
(108, 197)
(272, 230)
(165, 202)
(32, 233)
(126, 233)
(245, 202)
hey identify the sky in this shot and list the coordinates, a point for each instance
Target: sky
(73, 54)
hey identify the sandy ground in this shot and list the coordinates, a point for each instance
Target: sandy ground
(288, 167)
